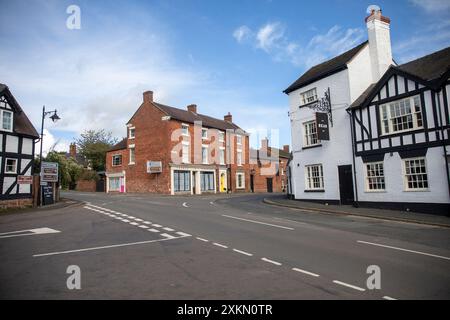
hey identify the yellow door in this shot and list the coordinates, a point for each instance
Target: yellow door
(222, 182)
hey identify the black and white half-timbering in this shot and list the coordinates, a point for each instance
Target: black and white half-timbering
(17, 137)
(388, 130)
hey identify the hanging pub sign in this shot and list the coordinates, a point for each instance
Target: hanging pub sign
(323, 130)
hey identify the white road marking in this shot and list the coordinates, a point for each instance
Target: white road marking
(201, 239)
(168, 229)
(348, 285)
(143, 226)
(388, 298)
(99, 248)
(29, 232)
(125, 220)
(153, 230)
(243, 252)
(258, 222)
(134, 223)
(220, 245)
(306, 272)
(147, 222)
(211, 202)
(406, 250)
(185, 205)
(157, 225)
(139, 220)
(167, 236)
(183, 234)
(287, 220)
(271, 261)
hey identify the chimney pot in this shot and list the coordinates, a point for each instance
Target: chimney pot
(148, 96)
(286, 148)
(228, 117)
(73, 150)
(192, 108)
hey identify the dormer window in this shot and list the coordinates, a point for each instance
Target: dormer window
(308, 96)
(7, 120)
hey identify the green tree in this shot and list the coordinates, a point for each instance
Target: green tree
(93, 145)
(69, 169)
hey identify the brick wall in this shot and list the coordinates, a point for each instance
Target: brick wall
(16, 203)
(86, 185)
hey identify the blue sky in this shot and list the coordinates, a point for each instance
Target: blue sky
(225, 56)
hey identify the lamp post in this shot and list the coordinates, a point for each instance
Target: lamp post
(54, 118)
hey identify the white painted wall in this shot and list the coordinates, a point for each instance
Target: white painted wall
(333, 153)
(359, 68)
(27, 146)
(12, 144)
(395, 190)
(380, 47)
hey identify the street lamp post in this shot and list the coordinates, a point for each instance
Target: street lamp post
(54, 118)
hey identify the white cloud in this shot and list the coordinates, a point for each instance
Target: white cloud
(242, 33)
(50, 142)
(272, 39)
(270, 36)
(433, 6)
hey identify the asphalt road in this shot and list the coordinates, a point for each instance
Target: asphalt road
(215, 247)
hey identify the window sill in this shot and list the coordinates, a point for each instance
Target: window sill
(315, 191)
(308, 104)
(417, 190)
(311, 147)
(132, 163)
(116, 165)
(375, 191)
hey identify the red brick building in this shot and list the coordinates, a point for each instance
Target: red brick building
(268, 168)
(175, 151)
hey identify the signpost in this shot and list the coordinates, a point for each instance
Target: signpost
(49, 176)
(323, 130)
(154, 166)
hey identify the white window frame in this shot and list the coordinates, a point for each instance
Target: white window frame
(222, 152)
(242, 174)
(11, 122)
(15, 166)
(308, 134)
(205, 160)
(309, 178)
(204, 136)
(185, 157)
(183, 127)
(121, 160)
(405, 175)
(239, 140)
(221, 136)
(417, 115)
(132, 148)
(129, 133)
(239, 157)
(367, 177)
(308, 96)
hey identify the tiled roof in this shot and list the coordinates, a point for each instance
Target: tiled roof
(22, 125)
(119, 146)
(325, 69)
(191, 117)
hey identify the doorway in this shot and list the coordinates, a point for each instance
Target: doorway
(252, 183)
(346, 184)
(269, 185)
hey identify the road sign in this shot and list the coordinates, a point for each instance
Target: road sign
(49, 172)
(154, 166)
(24, 179)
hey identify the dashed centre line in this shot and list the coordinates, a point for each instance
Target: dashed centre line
(201, 239)
(305, 272)
(220, 245)
(348, 285)
(271, 261)
(258, 222)
(243, 252)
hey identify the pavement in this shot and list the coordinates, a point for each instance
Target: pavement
(393, 215)
(216, 247)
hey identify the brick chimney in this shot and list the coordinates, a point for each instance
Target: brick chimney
(378, 28)
(148, 96)
(192, 108)
(265, 144)
(73, 150)
(286, 148)
(228, 117)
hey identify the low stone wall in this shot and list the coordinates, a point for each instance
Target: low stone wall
(16, 203)
(86, 185)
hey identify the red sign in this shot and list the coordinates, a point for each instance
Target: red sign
(24, 179)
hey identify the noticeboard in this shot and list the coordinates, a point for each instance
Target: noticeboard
(49, 172)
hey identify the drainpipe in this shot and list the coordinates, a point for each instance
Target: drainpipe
(442, 137)
(355, 204)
